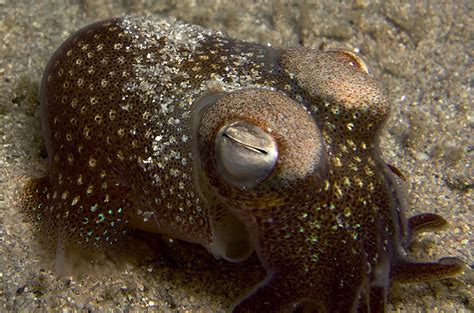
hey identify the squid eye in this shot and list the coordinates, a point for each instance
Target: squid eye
(246, 154)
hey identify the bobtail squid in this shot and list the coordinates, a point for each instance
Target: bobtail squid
(166, 127)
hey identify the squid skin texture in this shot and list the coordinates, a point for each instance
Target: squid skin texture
(130, 109)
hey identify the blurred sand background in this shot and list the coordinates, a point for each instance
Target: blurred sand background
(421, 50)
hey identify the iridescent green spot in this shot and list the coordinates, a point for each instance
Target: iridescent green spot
(85, 221)
(101, 217)
(110, 212)
(97, 238)
(119, 210)
(301, 230)
(112, 223)
(89, 233)
(94, 207)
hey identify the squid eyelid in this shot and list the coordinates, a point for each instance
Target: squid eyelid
(245, 145)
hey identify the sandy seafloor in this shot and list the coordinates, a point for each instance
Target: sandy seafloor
(421, 50)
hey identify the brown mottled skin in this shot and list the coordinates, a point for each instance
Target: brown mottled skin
(131, 109)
